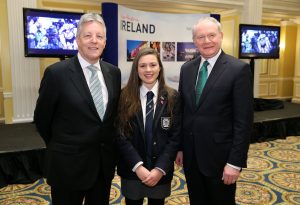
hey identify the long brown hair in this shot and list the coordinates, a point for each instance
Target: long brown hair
(129, 103)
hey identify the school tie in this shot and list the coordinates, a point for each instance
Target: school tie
(148, 125)
(96, 91)
(202, 77)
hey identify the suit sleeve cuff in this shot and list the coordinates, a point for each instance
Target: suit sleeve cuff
(162, 171)
(234, 167)
(137, 165)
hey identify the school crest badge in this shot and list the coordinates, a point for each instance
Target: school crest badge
(165, 123)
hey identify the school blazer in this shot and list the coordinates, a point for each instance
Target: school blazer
(166, 138)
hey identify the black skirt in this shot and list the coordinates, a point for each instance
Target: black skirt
(135, 189)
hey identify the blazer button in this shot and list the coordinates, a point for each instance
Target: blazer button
(154, 143)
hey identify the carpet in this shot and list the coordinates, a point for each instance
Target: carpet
(272, 177)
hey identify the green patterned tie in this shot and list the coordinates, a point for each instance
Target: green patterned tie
(202, 77)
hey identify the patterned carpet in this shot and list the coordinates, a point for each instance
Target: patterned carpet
(272, 177)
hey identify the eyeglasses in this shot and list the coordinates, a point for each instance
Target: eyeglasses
(210, 37)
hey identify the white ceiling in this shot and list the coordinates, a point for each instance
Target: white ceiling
(289, 9)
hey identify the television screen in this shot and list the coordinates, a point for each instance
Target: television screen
(259, 41)
(50, 33)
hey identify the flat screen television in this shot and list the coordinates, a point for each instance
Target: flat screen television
(49, 33)
(259, 41)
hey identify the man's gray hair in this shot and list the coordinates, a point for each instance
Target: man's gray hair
(206, 19)
(89, 17)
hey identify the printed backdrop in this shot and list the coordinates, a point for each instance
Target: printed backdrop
(129, 30)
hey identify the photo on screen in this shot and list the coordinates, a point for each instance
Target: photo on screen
(186, 51)
(259, 41)
(50, 33)
(155, 45)
(168, 51)
(133, 47)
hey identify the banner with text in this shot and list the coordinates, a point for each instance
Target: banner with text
(129, 30)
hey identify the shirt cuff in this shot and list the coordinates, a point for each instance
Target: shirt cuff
(234, 167)
(137, 165)
(162, 171)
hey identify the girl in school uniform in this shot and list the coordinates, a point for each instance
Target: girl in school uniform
(149, 123)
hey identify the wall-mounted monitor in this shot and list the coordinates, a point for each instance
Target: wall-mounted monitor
(259, 41)
(50, 33)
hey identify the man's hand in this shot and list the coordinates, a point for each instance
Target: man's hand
(179, 158)
(230, 175)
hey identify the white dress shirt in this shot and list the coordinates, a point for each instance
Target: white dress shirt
(143, 97)
(87, 74)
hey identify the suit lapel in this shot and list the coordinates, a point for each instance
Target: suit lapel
(109, 85)
(161, 103)
(194, 74)
(78, 79)
(216, 72)
(140, 123)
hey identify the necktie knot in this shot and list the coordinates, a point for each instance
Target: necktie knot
(92, 68)
(205, 64)
(150, 95)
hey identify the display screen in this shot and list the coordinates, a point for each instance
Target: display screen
(50, 33)
(259, 41)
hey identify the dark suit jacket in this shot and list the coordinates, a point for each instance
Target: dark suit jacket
(165, 141)
(78, 143)
(218, 130)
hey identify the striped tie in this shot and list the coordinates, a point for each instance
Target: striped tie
(96, 91)
(148, 126)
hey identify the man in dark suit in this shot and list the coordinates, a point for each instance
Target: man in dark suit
(217, 118)
(77, 127)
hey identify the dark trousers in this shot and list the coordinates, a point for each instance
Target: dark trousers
(205, 190)
(140, 201)
(98, 194)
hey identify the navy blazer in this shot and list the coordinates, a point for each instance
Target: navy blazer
(79, 143)
(166, 138)
(218, 130)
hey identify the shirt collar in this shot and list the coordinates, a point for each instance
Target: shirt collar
(212, 60)
(85, 64)
(144, 89)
